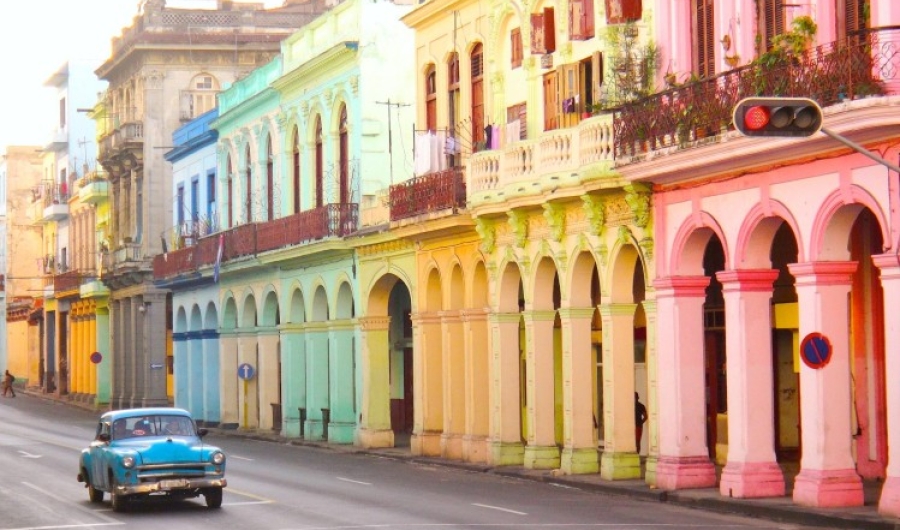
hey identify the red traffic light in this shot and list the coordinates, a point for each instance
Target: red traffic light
(785, 117)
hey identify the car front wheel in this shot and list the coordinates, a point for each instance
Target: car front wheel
(213, 497)
(95, 494)
(118, 501)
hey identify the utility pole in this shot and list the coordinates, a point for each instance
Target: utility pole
(390, 134)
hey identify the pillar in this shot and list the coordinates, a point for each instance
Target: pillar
(541, 451)
(827, 476)
(652, 403)
(477, 385)
(453, 360)
(375, 399)
(428, 387)
(620, 459)
(293, 384)
(579, 367)
(752, 469)
(343, 386)
(683, 455)
(268, 377)
(211, 401)
(228, 347)
(505, 425)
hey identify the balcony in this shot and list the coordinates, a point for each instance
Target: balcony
(58, 141)
(55, 201)
(94, 188)
(863, 65)
(332, 220)
(67, 281)
(434, 192)
(122, 149)
(529, 167)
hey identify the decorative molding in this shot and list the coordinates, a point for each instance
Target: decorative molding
(623, 237)
(487, 231)
(637, 196)
(153, 79)
(354, 85)
(555, 214)
(646, 245)
(518, 222)
(595, 211)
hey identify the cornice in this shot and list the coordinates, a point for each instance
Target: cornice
(311, 71)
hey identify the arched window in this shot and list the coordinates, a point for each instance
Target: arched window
(453, 90)
(199, 97)
(477, 62)
(270, 180)
(295, 174)
(229, 190)
(430, 98)
(248, 206)
(320, 168)
(344, 158)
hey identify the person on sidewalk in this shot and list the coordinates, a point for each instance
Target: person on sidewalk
(640, 418)
(8, 379)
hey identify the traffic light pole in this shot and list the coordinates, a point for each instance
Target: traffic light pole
(860, 149)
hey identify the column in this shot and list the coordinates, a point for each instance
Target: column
(620, 459)
(152, 372)
(268, 377)
(197, 375)
(343, 387)
(293, 363)
(683, 455)
(228, 347)
(181, 369)
(477, 392)
(428, 385)
(506, 417)
(541, 451)
(104, 346)
(248, 389)
(212, 411)
(652, 403)
(827, 476)
(318, 379)
(752, 469)
(579, 453)
(889, 505)
(453, 360)
(375, 401)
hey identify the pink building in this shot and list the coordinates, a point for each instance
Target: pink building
(764, 241)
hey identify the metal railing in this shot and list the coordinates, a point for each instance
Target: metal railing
(433, 192)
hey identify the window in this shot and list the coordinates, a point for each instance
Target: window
(453, 102)
(248, 181)
(200, 97)
(344, 158)
(477, 90)
(581, 19)
(211, 202)
(543, 32)
(320, 165)
(62, 113)
(515, 122)
(230, 191)
(854, 18)
(179, 207)
(551, 101)
(270, 181)
(770, 21)
(704, 38)
(430, 98)
(296, 169)
(622, 11)
(515, 48)
(195, 201)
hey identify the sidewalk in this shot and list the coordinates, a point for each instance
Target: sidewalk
(780, 509)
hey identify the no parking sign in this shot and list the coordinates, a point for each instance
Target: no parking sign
(815, 350)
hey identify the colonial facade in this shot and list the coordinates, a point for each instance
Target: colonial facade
(164, 70)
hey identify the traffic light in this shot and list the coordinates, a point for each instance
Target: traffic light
(785, 117)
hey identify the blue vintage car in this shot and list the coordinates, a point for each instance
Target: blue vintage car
(151, 451)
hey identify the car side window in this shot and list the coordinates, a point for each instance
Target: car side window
(102, 428)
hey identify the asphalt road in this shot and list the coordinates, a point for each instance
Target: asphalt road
(274, 486)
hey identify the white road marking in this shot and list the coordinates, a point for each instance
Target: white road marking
(623, 526)
(354, 481)
(87, 525)
(246, 503)
(240, 457)
(498, 508)
(262, 500)
(28, 455)
(108, 520)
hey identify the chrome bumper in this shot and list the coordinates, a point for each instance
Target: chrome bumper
(170, 485)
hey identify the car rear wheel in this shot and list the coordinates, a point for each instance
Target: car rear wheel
(94, 494)
(213, 497)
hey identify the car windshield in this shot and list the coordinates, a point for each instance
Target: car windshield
(152, 425)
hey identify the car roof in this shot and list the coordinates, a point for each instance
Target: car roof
(148, 411)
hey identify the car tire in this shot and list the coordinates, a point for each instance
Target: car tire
(213, 498)
(94, 494)
(118, 501)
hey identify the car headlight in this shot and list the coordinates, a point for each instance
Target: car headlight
(128, 461)
(218, 458)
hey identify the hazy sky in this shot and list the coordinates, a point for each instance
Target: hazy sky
(37, 37)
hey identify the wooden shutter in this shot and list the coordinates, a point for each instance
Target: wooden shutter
(549, 30)
(543, 32)
(704, 38)
(515, 48)
(477, 89)
(596, 76)
(771, 21)
(622, 11)
(551, 101)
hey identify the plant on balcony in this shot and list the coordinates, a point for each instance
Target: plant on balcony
(785, 51)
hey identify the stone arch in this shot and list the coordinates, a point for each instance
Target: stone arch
(320, 309)
(181, 322)
(433, 291)
(211, 318)
(196, 318)
(757, 232)
(248, 311)
(546, 273)
(297, 307)
(229, 314)
(271, 314)
(510, 296)
(689, 246)
(835, 219)
(583, 265)
(456, 289)
(621, 275)
(344, 306)
(480, 286)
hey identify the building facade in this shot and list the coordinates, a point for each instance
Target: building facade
(164, 70)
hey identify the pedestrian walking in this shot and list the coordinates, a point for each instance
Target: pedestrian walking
(640, 418)
(8, 379)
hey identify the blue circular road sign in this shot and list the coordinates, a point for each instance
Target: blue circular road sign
(815, 350)
(246, 371)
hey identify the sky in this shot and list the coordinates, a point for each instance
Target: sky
(37, 37)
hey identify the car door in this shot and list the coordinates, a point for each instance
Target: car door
(99, 450)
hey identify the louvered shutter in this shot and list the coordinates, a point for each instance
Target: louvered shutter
(704, 37)
(549, 30)
(621, 11)
(576, 20)
(537, 34)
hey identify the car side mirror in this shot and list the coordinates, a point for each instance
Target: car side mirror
(202, 432)
(103, 437)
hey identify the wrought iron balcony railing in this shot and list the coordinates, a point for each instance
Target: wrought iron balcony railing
(865, 64)
(429, 193)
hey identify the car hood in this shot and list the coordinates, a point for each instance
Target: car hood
(169, 450)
